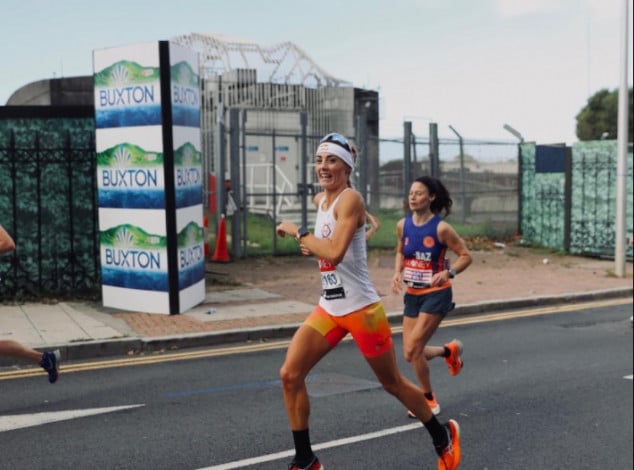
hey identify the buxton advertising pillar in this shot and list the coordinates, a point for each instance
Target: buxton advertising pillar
(149, 174)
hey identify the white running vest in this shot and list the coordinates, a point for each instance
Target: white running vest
(347, 286)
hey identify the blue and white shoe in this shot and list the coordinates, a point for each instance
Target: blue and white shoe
(49, 362)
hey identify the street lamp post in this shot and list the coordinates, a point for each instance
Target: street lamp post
(622, 137)
(515, 132)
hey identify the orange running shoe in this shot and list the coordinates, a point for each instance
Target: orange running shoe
(449, 458)
(433, 406)
(313, 465)
(453, 361)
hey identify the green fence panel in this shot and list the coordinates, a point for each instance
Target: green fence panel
(48, 204)
(594, 188)
(592, 200)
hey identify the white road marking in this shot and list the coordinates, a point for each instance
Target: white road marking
(629, 377)
(323, 445)
(11, 422)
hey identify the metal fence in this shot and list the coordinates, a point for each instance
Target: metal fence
(272, 174)
(48, 203)
(481, 176)
(48, 191)
(569, 197)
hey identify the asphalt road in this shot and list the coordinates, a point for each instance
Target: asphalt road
(548, 391)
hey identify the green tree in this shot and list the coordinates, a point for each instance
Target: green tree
(600, 115)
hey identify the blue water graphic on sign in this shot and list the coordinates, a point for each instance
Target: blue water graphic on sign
(144, 280)
(192, 275)
(127, 117)
(185, 116)
(131, 199)
(189, 196)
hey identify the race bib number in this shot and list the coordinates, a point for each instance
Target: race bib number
(331, 283)
(417, 274)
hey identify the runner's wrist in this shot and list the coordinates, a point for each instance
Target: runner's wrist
(301, 233)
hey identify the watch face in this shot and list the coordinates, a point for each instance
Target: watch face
(301, 233)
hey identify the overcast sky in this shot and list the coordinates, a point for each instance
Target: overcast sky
(472, 64)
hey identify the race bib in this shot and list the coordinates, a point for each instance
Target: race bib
(331, 283)
(417, 273)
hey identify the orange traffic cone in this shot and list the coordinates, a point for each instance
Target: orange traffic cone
(221, 254)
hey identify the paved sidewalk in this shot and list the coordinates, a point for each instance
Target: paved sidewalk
(83, 330)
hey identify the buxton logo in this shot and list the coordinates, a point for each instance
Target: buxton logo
(188, 167)
(185, 95)
(131, 95)
(191, 255)
(129, 176)
(127, 94)
(190, 245)
(184, 85)
(122, 167)
(188, 175)
(133, 259)
(125, 254)
(127, 84)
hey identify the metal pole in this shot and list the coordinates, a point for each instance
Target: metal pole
(303, 166)
(621, 167)
(243, 185)
(463, 196)
(219, 164)
(407, 158)
(520, 174)
(362, 160)
(433, 150)
(274, 189)
(234, 177)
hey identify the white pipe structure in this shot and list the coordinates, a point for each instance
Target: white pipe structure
(621, 166)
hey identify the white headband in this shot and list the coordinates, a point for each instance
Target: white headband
(328, 148)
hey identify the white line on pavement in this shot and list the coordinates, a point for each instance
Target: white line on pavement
(11, 422)
(323, 445)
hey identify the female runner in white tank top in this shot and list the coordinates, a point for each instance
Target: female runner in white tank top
(348, 304)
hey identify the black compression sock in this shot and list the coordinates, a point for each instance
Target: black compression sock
(438, 433)
(447, 352)
(303, 451)
(429, 396)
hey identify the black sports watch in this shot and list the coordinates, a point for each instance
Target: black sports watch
(302, 232)
(452, 273)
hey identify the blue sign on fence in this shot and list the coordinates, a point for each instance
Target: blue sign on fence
(550, 159)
